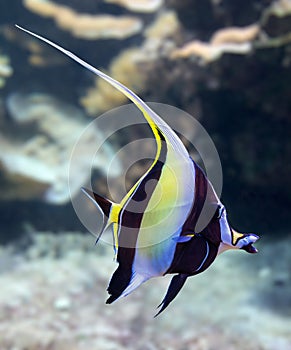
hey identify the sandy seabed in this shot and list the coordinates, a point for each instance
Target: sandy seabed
(53, 293)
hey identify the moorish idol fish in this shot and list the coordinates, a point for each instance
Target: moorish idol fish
(155, 225)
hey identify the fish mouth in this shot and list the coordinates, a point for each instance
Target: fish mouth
(249, 247)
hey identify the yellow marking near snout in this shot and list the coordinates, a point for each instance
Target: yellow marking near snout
(236, 236)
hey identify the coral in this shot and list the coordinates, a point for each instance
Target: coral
(208, 52)
(231, 40)
(37, 165)
(138, 5)
(281, 8)
(276, 24)
(235, 35)
(124, 68)
(5, 69)
(128, 66)
(160, 38)
(166, 25)
(86, 26)
(39, 54)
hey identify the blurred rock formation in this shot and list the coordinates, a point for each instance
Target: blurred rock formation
(35, 157)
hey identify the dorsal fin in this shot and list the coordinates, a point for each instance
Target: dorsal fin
(161, 130)
(157, 124)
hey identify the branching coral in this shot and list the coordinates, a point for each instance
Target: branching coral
(128, 67)
(234, 35)
(160, 37)
(208, 52)
(232, 40)
(166, 25)
(124, 68)
(138, 5)
(5, 69)
(86, 26)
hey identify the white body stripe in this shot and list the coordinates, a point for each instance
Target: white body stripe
(206, 256)
(155, 244)
(226, 237)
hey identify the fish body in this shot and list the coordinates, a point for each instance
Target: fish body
(155, 226)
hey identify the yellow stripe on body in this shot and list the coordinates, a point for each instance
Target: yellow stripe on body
(115, 212)
(154, 128)
(117, 208)
(166, 209)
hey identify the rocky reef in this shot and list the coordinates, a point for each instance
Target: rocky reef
(53, 293)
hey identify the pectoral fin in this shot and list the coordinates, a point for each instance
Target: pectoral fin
(183, 239)
(175, 286)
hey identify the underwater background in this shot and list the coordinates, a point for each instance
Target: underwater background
(227, 63)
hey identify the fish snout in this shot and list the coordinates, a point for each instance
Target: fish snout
(247, 243)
